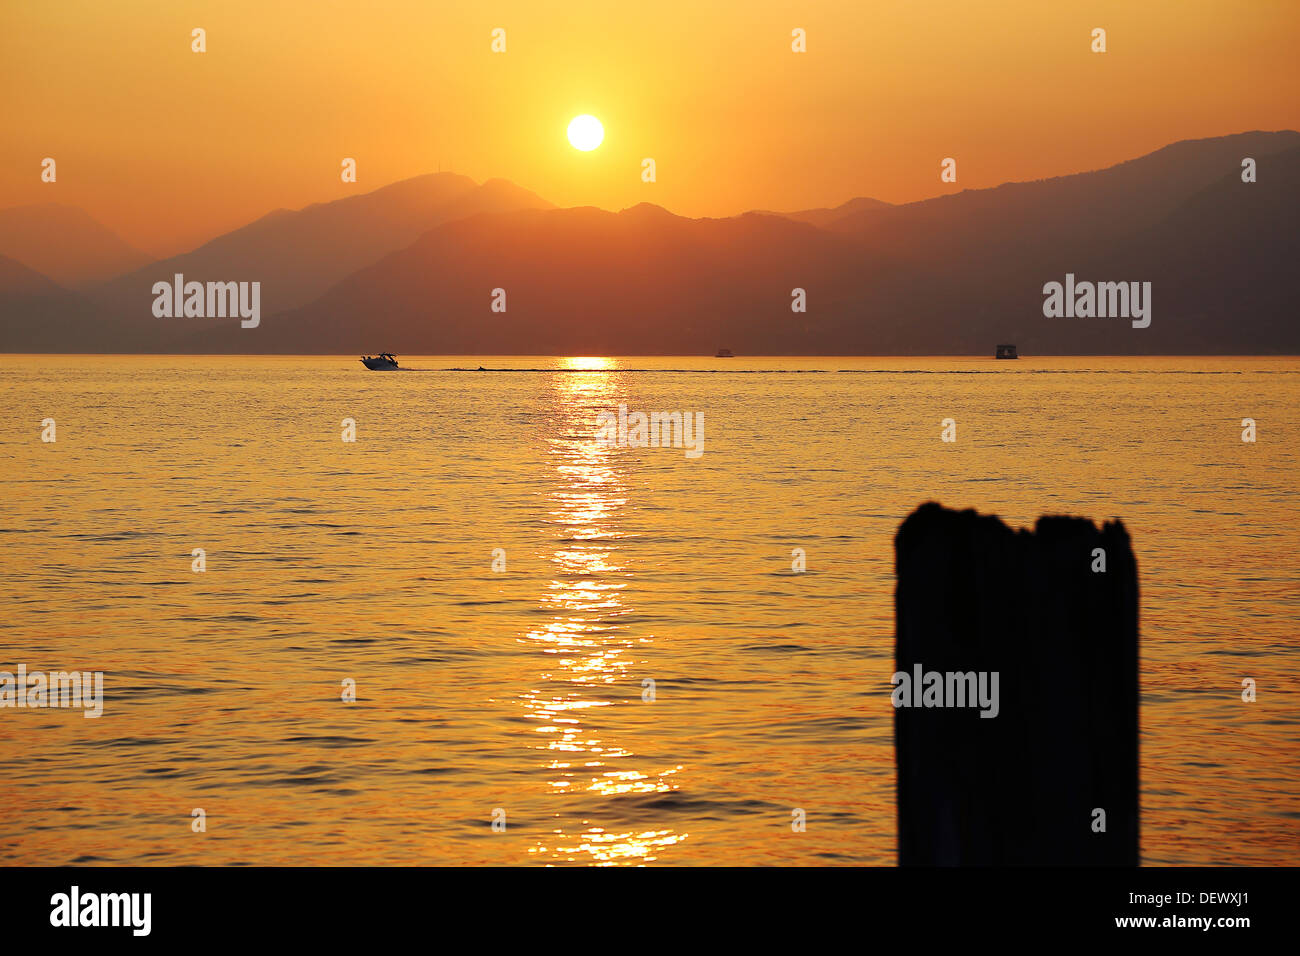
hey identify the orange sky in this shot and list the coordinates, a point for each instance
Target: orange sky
(170, 147)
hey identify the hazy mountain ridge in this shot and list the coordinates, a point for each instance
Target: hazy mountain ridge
(955, 274)
(34, 306)
(439, 289)
(826, 217)
(65, 243)
(298, 255)
(1217, 260)
(1106, 203)
(646, 281)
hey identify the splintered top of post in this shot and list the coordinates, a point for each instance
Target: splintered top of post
(933, 519)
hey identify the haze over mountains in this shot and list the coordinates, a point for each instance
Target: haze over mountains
(302, 253)
(411, 268)
(825, 218)
(65, 244)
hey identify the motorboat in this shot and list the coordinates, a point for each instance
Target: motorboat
(383, 362)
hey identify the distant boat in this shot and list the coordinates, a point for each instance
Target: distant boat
(383, 362)
(724, 353)
(1006, 352)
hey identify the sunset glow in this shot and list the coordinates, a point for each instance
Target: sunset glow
(728, 112)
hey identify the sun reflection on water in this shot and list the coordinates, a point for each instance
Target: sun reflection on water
(587, 649)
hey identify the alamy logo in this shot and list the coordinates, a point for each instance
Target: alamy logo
(946, 689)
(656, 430)
(103, 909)
(55, 689)
(211, 300)
(1086, 300)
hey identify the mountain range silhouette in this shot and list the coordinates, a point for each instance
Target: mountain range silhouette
(411, 268)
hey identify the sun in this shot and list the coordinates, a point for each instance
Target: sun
(585, 132)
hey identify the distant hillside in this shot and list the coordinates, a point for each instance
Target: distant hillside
(978, 255)
(825, 218)
(40, 315)
(298, 255)
(955, 275)
(1104, 204)
(1220, 262)
(65, 243)
(580, 280)
(951, 275)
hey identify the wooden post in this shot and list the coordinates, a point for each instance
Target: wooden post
(1024, 786)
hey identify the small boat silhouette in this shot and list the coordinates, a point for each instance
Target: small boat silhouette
(1006, 352)
(724, 353)
(383, 362)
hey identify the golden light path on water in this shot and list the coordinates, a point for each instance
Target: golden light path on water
(584, 651)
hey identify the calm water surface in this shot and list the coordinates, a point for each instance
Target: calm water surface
(522, 691)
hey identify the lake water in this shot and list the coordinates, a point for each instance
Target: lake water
(521, 690)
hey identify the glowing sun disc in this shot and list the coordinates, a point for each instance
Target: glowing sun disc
(585, 132)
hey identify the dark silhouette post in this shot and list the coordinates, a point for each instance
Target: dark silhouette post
(1038, 764)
